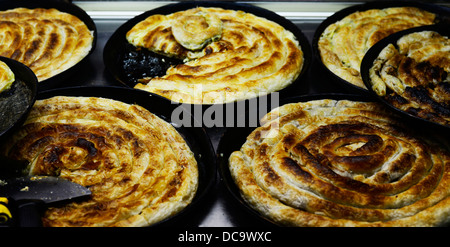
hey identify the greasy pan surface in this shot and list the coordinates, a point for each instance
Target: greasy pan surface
(117, 46)
(64, 6)
(374, 52)
(442, 13)
(18, 99)
(196, 138)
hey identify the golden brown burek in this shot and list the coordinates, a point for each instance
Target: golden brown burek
(343, 44)
(46, 40)
(137, 166)
(414, 76)
(342, 163)
(252, 57)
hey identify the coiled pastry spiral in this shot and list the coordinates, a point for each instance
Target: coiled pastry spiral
(137, 166)
(46, 40)
(343, 44)
(342, 163)
(253, 57)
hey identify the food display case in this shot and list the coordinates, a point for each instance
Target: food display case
(220, 206)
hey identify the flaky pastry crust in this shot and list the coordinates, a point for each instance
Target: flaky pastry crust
(137, 166)
(414, 75)
(342, 163)
(343, 44)
(46, 40)
(253, 57)
(193, 29)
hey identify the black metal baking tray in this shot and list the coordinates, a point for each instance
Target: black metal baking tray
(233, 139)
(442, 16)
(19, 99)
(373, 53)
(196, 138)
(117, 45)
(64, 6)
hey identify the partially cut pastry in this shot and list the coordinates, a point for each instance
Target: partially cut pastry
(245, 55)
(414, 75)
(46, 40)
(137, 166)
(342, 163)
(343, 44)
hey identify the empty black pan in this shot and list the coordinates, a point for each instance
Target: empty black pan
(64, 6)
(442, 16)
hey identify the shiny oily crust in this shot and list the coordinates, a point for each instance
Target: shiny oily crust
(7, 77)
(253, 57)
(46, 40)
(415, 75)
(342, 163)
(137, 166)
(343, 44)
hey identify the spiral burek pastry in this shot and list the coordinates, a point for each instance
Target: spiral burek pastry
(415, 76)
(342, 163)
(247, 56)
(46, 40)
(137, 166)
(343, 44)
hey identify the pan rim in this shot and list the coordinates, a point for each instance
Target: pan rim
(20, 70)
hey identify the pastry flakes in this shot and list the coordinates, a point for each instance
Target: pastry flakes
(414, 75)
(252, 57)
(137, 166)
(343, 44)
(342, 163)
(46, 40)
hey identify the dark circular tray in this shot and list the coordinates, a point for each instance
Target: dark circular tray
(25, 87)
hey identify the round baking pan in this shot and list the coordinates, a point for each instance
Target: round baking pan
(117, 46)
(442, 15)
(196, 138)
(16, 102)
(233, 139)
(64, 6)
(373, 53)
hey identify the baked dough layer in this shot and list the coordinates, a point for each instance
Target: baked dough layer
(414, 75)
(137, 166)
(46, 40)
(343, 44)
(342, 163)
(253, 57)
(7, 77)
